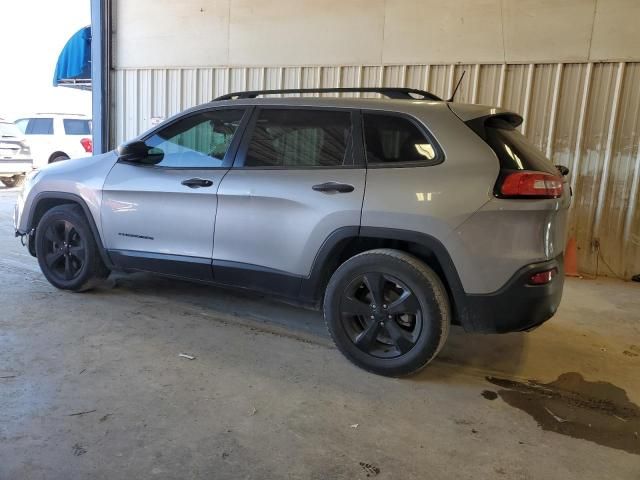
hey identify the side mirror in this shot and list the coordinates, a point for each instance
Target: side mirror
(564, 171)
(140, 152)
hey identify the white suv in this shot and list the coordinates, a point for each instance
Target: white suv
(56, 136)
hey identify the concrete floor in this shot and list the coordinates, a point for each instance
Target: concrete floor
(269, 397)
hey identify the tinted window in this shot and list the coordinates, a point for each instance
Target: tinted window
(392, 139)
(40, 126)
(74, 126)
(300, 138)
(201, 140)
(513, 149)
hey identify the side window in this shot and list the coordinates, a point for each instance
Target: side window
(73, 126)
(392, 139)
(22, 124)
(200, 140)
(40, 126)
(300, 138)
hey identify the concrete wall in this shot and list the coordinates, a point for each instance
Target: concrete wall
(188, 33)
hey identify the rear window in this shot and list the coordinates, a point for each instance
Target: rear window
(513, 149)
(73, 126)
(9, 130)
(40, 126)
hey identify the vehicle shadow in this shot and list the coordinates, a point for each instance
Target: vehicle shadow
(225, 302)
(477, 354)
(463, 352)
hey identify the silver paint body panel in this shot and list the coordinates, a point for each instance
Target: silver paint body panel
(83, 177)
(147, 209)
(273, 219)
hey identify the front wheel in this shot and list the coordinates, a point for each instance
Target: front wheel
(387, 312)
(66, 249)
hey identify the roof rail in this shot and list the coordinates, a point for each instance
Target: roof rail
(389, 92)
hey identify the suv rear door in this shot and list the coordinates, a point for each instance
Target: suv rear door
(161, 217)
(298, 177)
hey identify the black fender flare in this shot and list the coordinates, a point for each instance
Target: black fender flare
(70, 198)
(312, 285)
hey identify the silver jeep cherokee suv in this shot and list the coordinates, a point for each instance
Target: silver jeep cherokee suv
(398, 215)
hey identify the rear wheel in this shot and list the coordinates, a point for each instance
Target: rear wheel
(15, 181)
(58, 158)
(387, 312)
(66, 249)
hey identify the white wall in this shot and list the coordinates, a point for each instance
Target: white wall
(187, 33)
(570, 67)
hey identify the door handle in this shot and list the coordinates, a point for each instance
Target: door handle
(197, 183)
(329, 187)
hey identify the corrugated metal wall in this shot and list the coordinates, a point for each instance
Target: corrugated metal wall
(583, 115)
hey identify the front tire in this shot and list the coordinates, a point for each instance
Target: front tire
(66, 249)
(387, 312)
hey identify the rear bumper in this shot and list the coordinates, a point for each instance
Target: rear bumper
(517, 306)
(10, 167)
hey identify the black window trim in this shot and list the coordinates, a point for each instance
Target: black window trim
(356, 143)
(439, 158)
(228, 156)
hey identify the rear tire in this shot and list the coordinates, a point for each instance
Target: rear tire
(15, 181)
(67, 251)
(59, 158)
(387, 312)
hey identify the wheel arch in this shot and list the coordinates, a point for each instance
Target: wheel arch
(55, 154)
(45, 201)
(346, 242)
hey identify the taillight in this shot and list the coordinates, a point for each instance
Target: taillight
(528, 184)
(542, 278)
(87, 144)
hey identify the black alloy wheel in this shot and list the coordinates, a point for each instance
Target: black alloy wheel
(387, 311)
(67, 250)
(381, 315)
(64, 249)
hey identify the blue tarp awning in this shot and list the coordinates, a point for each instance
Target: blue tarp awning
(74, 63)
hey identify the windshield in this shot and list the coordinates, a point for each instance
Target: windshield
(9, 130)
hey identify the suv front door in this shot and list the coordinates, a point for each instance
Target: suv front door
(298, 178)
(161, 217)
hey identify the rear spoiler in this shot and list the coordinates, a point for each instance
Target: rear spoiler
(469, 113)
(476, 116)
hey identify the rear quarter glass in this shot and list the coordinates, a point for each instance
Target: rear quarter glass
(514, 150)
(76, 126)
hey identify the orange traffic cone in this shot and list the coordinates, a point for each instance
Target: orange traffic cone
(571, 259)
